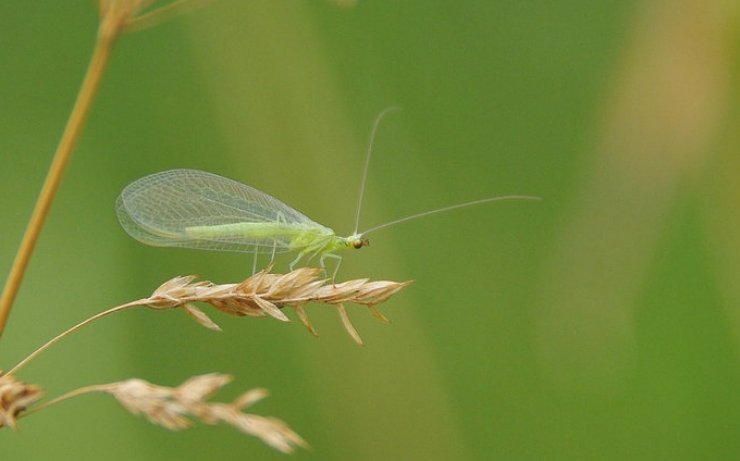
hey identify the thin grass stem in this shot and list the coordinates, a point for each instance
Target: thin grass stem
(68, 395)
(89, 88)
(64, 334)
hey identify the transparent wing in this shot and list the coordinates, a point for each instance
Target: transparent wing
(157, 209)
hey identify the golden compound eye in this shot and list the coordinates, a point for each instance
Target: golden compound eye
(357, 244)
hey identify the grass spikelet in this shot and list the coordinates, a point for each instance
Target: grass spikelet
(175, 408)
(15, 397)
(348, 324)
(262, 294)
(265, 293)
(201, 317)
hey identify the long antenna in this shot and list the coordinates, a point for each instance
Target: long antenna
(448, 208)
(380, 116)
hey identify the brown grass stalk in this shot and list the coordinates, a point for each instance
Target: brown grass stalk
(115, 17)
(175, 408)
(266, 294)
(262, 294)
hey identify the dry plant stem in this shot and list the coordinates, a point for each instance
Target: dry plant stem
(62, 335)
(68, 395)
(259, 295)
(174, 408)
(116, 16)
(90, 85)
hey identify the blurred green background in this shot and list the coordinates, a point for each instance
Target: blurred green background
(601, 323)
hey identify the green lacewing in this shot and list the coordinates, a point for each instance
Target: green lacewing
(201, 210)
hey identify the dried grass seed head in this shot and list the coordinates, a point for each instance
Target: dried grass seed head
(15, 397)
(265, 293)
(172, 408)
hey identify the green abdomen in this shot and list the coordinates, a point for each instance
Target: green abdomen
(298, 235)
